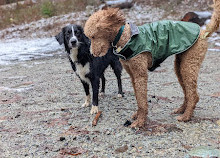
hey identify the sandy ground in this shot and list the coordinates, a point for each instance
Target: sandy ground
(41, 113)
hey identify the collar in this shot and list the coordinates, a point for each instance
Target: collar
(118, 36)
(134, 31)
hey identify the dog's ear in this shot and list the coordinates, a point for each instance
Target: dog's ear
(80, 28)
(83, 36)
(115, 14)
(64, 41)
(113, 19)
(60, 38)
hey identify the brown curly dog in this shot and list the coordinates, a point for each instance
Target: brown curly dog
(103, 27)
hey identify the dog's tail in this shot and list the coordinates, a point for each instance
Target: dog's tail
(213, 25)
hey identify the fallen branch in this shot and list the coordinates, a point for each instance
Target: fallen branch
(94, 122)
(74, 154)
(72, 151)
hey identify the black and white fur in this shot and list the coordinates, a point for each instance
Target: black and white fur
(88, 68)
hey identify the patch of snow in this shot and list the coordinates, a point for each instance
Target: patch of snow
(203, 27)
(217, 44)
(23, 88)
(117, 2)
(207, 21)
(4, 69)
(16, 89)
(14, 50)
(204, 14)
(214, 50)
(15, 77)
(214, 37)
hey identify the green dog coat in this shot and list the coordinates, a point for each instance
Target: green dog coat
(161, 39)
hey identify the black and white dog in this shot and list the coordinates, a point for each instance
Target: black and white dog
(88, 68)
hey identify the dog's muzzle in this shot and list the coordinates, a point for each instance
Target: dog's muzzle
(73, 42)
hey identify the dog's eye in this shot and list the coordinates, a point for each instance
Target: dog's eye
(69, 32)
(93, 37)
(76, 32)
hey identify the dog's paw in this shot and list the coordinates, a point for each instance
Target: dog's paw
(180, 110)
(101, 94)
(94, 109)
(138, 123)
(183, 118)
(120, 95)
(86, 104)
(134, 116)
(87, 101)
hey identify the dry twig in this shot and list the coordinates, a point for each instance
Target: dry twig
(94, 122)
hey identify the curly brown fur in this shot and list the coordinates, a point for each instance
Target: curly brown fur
(215, 19)
(102, 31)
(103, 28)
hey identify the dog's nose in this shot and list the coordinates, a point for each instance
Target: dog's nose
(73, 42)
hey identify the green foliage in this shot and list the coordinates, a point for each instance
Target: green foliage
(25, 13)
(47, 9)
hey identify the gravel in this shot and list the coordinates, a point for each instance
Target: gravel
(41, 114)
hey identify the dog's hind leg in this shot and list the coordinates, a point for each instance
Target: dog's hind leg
(177, 64)
(191, 97)
(95, 91)
(88, 97)
(116, 66)
(190, 64)
(102, 92)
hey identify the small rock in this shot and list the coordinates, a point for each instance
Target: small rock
(18, 115)
(108, 132)
(62, 138)
(121, 149)
(127, 123)
(88, 138)
(133, 150)
(85, 145)
(74, 138)
(97, 149)
(218, 122)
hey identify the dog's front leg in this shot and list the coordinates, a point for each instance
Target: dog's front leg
(95, 90)
(137, 67)
(140, 85)
(88, 98)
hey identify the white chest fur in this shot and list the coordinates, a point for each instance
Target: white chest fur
(73, 54)
(81, 70)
